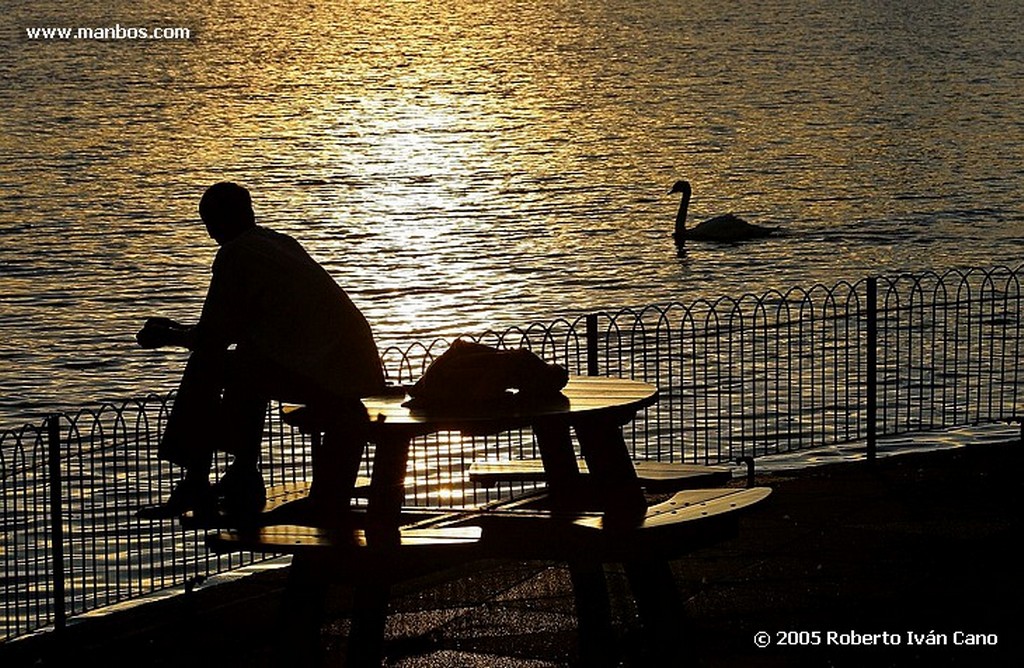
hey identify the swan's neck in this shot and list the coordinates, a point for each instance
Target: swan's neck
(684, 204)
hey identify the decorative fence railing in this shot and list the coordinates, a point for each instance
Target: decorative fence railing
(746, 377)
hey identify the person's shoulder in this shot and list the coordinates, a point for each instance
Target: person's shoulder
(241, 246)
(255, 236)
(257, 243)
(268, 235)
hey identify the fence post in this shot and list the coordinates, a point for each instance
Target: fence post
(872, 370)
(591, 335)
(60, 616)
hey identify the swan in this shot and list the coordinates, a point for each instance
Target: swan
(726, 227)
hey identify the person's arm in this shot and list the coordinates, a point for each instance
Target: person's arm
(217, 323)
(163, 332)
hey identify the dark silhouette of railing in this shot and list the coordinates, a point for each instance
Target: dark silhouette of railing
(738, 378)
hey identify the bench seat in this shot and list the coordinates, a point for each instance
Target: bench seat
(656, 477)
(283, 502)
(686, 521)
(295, 539)
(524, 528)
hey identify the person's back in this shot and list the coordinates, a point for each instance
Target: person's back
(268, 295)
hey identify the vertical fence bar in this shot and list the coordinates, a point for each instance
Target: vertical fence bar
(872, 370)
(60, 616)
(591, 334)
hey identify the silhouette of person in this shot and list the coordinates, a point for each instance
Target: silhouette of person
(274, 325)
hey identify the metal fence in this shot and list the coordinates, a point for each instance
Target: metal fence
(738, 377)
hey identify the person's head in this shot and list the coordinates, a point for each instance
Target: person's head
(226, 208)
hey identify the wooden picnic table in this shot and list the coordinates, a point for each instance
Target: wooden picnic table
(606, 519)
(596, 407)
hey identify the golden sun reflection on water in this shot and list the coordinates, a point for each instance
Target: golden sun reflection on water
(462, 166)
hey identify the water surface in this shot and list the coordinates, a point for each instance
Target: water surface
(462, 166)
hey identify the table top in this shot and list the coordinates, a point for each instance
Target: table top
(582, 396)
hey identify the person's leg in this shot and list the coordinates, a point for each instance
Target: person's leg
(248, 385)
(337, 458)
(191, 434)
(247, 392)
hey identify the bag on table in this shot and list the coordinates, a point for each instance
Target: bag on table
(472, 376)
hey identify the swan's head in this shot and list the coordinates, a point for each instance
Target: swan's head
(680, 187)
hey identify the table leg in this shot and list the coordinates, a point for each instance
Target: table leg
(336, 459)
(383, 536)
(387, 491)
(554, 440)
(612, 469)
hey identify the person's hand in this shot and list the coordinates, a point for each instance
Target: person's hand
(159, 332)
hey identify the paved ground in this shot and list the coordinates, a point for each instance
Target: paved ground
(915, 554)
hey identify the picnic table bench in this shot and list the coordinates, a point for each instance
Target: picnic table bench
(654, 476)
(612, 522)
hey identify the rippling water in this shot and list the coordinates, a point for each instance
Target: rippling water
(461, 165)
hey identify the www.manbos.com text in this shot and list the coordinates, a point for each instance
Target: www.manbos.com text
(115, 32)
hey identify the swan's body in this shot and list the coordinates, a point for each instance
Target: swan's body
(720, 228)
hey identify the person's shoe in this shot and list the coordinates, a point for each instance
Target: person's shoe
(241, 492)
(187, 495)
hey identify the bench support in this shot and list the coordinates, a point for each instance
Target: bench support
(593, 613)
(665, 626)
(369, 617)
(302, 612)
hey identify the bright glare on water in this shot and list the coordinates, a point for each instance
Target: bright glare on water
(464, 165)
